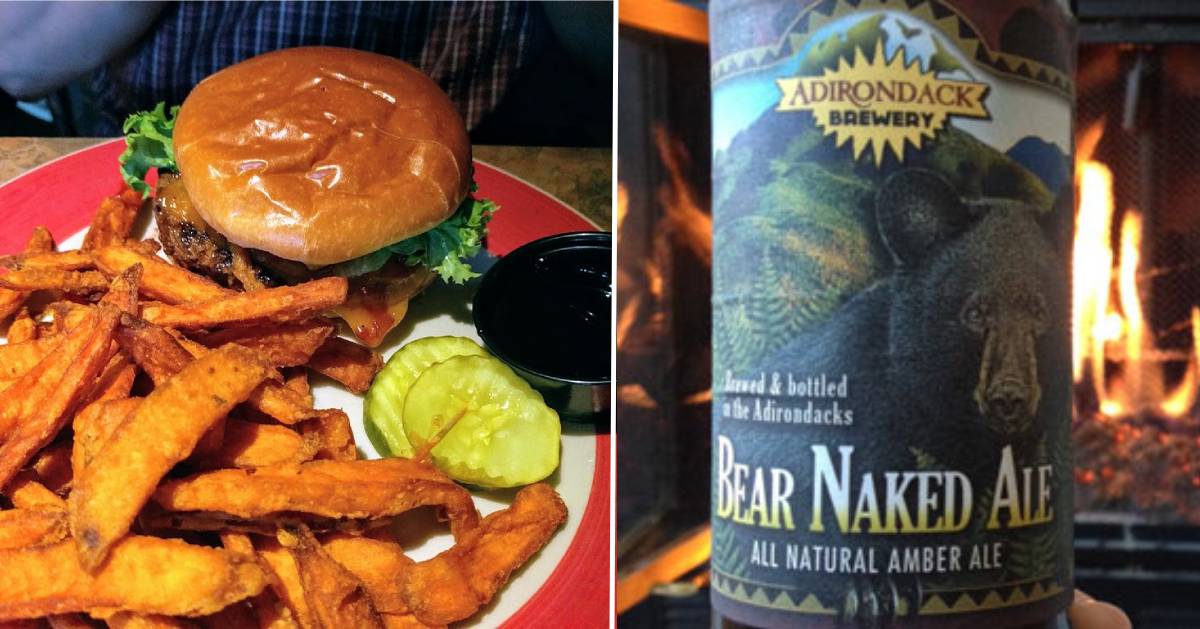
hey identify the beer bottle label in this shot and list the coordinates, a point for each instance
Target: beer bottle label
(892, 191)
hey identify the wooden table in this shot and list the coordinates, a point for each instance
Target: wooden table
(582, 178)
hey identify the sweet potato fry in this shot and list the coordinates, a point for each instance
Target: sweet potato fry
(161, 280)
(65, 315)
(162, 355)
(31, 527)
(10, 300)
(347, 362)
(23, 327)
(74, 282)
(162, 431)
(271, 398)
(34, 408)
(146, 575)
(53, 466)
(123, 291)
(74, 260)
(17, 359)
(114, 382)
(281, 403)
(458, 582)
(152, 348)
(331, 430)
(334, 595)
(93, 426)
(113, 221)
(272, 305)
(40, 241)
(297, 380)
(236, 542)
(377, 563)
(286, 345)
(382, 489)
(269, 610)
(26, 492)
(249, 445)
(286, 582)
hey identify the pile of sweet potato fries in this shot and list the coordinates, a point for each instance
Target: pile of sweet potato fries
(162, 464)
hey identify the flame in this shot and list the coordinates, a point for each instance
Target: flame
(684, 218)
(1180, 401)
(627, 316)
(1135, 374)
(622, 204)
(1093, 265)
(1116, 331)
(636, 395)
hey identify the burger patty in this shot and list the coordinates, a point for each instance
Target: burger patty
(191, 243)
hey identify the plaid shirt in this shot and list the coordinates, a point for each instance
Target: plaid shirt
(473, 50)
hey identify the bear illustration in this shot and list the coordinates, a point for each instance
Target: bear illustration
(964, 343)
(961, 349)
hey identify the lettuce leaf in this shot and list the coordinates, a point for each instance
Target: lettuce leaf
(147, 145)
(443, 249)
(446, 247)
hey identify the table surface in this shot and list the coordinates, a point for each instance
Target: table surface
(581, 177)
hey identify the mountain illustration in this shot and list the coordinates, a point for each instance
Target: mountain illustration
(1042, 159)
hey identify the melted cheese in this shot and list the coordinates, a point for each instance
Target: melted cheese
(372, 322)
(378, 301)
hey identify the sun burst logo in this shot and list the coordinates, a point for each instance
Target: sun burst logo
(881, 104)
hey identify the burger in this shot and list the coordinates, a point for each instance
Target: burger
(313, 162)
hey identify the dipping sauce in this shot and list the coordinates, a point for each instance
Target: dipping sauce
(546, 308)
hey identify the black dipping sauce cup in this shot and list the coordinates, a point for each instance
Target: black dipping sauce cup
(546, 310)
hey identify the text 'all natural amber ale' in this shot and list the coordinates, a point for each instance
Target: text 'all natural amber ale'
(891, 388)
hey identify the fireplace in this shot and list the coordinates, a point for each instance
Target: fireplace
(1136, 309)
(1136, 322)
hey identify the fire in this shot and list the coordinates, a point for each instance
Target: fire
(622, 204)
(691, 225)
(1093, 266)
(1116, 331)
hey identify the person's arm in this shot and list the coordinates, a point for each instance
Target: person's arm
(44, 45)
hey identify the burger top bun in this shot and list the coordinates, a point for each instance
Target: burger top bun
(321, 155)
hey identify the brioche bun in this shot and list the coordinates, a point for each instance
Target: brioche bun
(321, 155)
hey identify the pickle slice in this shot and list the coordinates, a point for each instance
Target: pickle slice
(384, 405)
(490, 427)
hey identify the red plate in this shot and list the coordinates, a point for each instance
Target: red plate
(63, 194)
